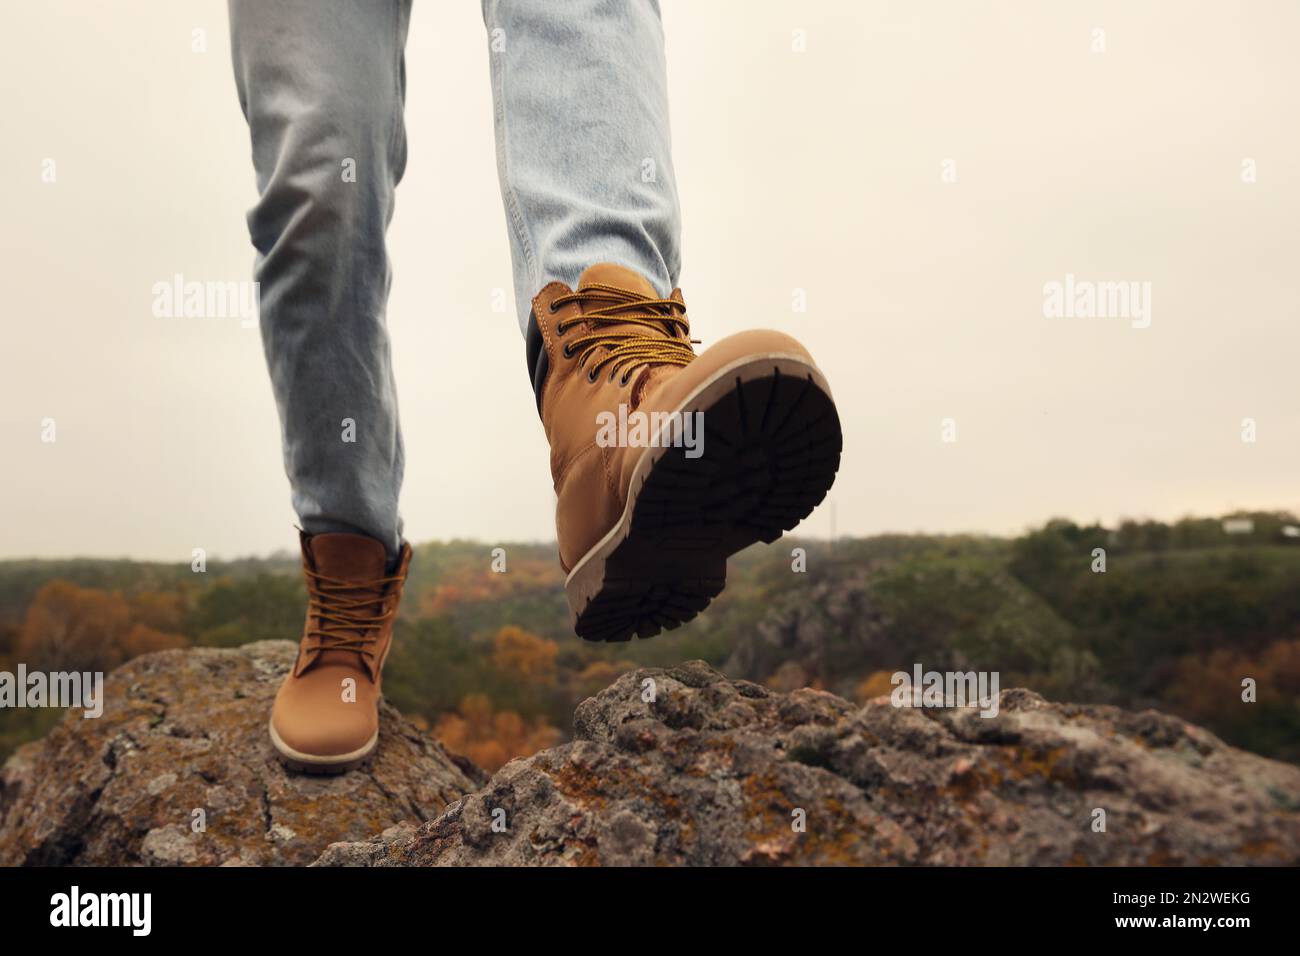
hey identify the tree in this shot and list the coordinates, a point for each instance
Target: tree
(70, 628)
(143, 639)
(524, 655)
(490, 737)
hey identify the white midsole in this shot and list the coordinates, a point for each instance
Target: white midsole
(316, 759)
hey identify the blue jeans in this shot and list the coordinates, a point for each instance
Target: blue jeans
(583, 155)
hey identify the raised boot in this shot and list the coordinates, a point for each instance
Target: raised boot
(326, 714)
(650, 505)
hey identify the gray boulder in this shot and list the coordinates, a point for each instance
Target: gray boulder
(712, 771)
(182, 741)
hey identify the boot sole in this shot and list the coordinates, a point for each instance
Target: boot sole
(772, 445)
(311, 763)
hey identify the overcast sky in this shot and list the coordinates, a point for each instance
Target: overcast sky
(829, 170)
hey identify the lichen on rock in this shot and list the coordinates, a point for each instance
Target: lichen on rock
(712, 771)
(179, 771)
(676, 766)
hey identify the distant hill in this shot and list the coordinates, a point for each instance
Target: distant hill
(1180, 616)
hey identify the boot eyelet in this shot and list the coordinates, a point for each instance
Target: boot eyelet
(550, 307)
(591, 376)
(624, 380)
(568, 352)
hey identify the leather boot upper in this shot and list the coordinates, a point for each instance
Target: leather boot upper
(591, 350)
(352, 605)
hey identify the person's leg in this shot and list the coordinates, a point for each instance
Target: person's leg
(583, 145)
(643, 531)
(321, 83)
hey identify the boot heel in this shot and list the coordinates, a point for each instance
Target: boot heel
(619, 605)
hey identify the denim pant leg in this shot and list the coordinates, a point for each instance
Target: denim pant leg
(321, 83)
(583, 144)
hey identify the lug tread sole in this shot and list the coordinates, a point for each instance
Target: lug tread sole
(772, 447)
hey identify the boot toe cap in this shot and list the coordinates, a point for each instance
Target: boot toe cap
(307, 723)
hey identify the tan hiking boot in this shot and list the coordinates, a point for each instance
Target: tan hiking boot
(650, 504)
(326, 713)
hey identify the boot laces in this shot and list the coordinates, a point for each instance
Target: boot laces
(343, 622)
(666, 340)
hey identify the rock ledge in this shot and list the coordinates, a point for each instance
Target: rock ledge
(714, 771)
(185, 731)
(681, 766)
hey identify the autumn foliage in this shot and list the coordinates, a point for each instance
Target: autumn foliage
(469, 584)
(524, 655)
(68, 627)
(1185, 618)
(491, 737)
